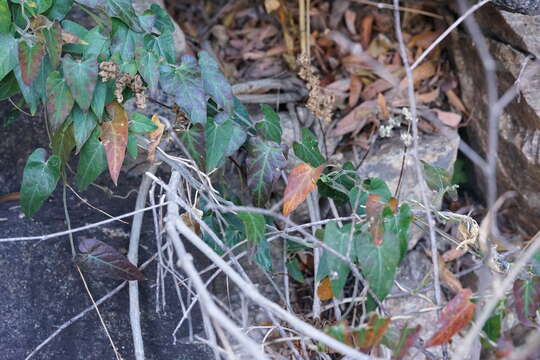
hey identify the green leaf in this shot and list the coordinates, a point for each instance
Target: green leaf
(438, 179)
(264, 163)
(293, 267)
(63, 142)
(330, 265)
(39, 180)
(527, 300)
(31, 97)
(123, 10)
(269, 127)
(39, 84)
(92, 162)
(184, 83)
(263, 256)
(241, 115)
(53, 42)
(92, 4)
(84, 123)
(214, 82)
(163, 45)
(34, 7)
(97, 44)
(8, 86)
(141, 123)
(308, 149)
(378, 186)
(59, 9)
(132, 146)
(493, 325)
(5, 17)
(407, 338)
(103, 94)
(399, 224)
(104, 260)
(147, 20)
(30, 58)
(163, 20)
(77, 30)
(379, 264)
(81, 77)
(223, 138)
(124, 41)
(194, 141)
(254, 225)
(148, 66)
(8, 55)
(59, 100)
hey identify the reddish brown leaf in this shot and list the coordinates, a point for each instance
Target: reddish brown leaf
(325, 289)
(104, 260)
(30, 57)
(366, 28)
(527, 300)
(155, 138)
(302, 181)
(355, 91)
(114, 137)
(379, 86)
(356, 118)
(422, 72)
(381, 102)
(424, 40)
(407, 338)
(455, 101)
(374, 206)
(455, 315)
(371, 336)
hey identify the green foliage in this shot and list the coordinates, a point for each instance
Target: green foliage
(269, 127)
(223, 138)
(439, 180)
(141, 123)
(81, 76)
(5, 17)
(254, 225)
(92, 162)
(59, 100)
(307, 149)
(39, 180)
(214, 82)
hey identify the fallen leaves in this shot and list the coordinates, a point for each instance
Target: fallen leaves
(114, 137)
(155, 138)
(455, 315)
(302, 180)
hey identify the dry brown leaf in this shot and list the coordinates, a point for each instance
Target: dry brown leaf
(428, 97)
(456, 314)
(366, 28)
(448, 277)
(422, 72)
(271, 5)
(191, 222)
(379, 86)
(381, 102)
(356, 118)
(301, 181)
(424, 40)
(355, 91)
(325, 289)
(455, 101)
(155, 138)
(448, 118)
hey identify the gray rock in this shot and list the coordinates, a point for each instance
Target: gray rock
(511, 37)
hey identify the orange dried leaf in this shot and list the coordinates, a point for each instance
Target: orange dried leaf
(455, 315)
(455, 101)
(366, 29)
(355, 91)
(301, 181)
(448, 118)
(155, 138)
(372, 335)
(114, 137)
(381, 102)
(324, 291)
(422, 72)
(424, 40)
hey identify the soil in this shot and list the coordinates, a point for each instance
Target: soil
(41, 289)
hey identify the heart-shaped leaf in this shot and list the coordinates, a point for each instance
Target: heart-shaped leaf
(214, 82)
(302, 180)
(30, 95)
(223, 138)
(105, 261)
(185, 84)
(8, 55)
(59, 100)
(194, 141)
(455, 315)
(84, 122)
(330, 265)
(125, 41)
(5, 18)
(378, 263)
(39, 180)
(53, 42)
(162, 45)
(92, 161)
(123, 9)
(30, 58)
(96, 43)
(114, 137)
(148, 67)
(254, 225)
(308, 149)
(264, 163)
(81, 76)
(269, 127)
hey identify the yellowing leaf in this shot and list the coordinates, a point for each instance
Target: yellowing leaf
(155, 138)
(114, 137)
(302, 181)
(325, 289)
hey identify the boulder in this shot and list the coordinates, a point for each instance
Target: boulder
(511, 38)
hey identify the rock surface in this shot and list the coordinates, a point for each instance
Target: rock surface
(41, 289)
(511, 38)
